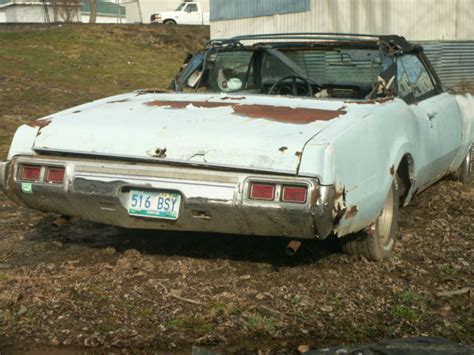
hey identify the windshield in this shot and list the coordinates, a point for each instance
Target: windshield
(181, 6)
(338, 72)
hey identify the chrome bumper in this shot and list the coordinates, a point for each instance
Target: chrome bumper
(212, 201)
(3, 175)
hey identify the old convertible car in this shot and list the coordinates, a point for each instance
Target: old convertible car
(292, 135)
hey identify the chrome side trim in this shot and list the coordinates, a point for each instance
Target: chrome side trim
(153, 160)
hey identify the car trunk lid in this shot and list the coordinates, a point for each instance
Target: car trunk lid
(264, 133)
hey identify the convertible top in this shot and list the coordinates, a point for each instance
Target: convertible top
(394, 42)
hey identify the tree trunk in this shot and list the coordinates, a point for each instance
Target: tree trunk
(93, 11)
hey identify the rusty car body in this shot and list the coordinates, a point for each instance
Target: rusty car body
(291, 135)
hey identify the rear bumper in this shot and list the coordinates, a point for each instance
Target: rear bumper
(212, 201)
(3, 175)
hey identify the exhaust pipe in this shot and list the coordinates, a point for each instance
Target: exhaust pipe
(292, 247)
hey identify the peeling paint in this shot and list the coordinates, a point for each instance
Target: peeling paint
(314, 197)
(392, 170)
(158, 153)
(351, 212)
(274, 113)
(287, 114)
(340, 193)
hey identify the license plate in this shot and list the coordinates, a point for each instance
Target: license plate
(154, 204)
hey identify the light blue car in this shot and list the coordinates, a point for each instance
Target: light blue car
(300, 136)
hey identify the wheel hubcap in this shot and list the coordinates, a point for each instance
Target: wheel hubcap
(468, 162)
(384, 222)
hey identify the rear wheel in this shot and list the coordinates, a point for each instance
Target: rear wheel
(465, 169)
(378, 241)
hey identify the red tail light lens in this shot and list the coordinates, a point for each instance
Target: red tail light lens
(296, 194)
(55, 175)
(30, 173)
(262, 192)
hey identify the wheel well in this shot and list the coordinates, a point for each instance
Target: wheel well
(405, 176)
(168, 20)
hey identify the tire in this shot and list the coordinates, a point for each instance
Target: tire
(378, 241)
(169, 22)
(464, 171)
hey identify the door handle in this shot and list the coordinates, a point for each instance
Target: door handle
(431, 115)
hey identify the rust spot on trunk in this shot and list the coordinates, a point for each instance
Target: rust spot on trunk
(282, 149)
(351, 212)
(287, 114)
(274, 113)
(39, 123)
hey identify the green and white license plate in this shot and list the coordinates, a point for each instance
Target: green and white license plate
(154, 204)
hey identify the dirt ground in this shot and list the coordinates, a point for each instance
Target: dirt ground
(90, 285)
(86, 287)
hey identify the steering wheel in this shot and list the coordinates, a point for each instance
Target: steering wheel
(294, 86)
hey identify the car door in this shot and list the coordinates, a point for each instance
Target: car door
(191, 15)
(438, 118)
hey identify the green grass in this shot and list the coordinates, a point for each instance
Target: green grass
(47, 70)
(408, 306)
(194, 322)
(258, 322)
(405, 313)
(411, 297)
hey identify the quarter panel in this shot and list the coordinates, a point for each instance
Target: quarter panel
(360, 155)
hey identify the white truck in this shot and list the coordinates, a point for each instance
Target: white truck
(187, 13)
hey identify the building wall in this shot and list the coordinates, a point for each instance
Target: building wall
(29, 14)
(414, 19)
(454, 63)
(231, 10)
(149, 7)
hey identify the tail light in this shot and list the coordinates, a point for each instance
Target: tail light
(29, 173)
(55, 175)
(262, 192)
(295, 194)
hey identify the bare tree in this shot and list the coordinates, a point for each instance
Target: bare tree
(93, 11)
(66, 10)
